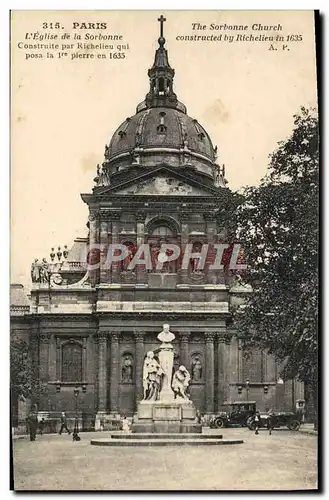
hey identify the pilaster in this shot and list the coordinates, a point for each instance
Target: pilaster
(102, 371)
(139, 357)
(114, 372)
(184, 354)
(115, 266)
(209, 337)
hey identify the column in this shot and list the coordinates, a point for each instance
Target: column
(114, 378)
(93, 256)
(240, 360)
(115, 266)
(141, 270)
(104, 278)
(52, 359)
(223, 347)
(58, 360)
(184, 354)
(139, 358)
(234, 362)
(211, 236)
(184, 217)
(209, 372)
(43, 370)
(84, 360)
(102, 371)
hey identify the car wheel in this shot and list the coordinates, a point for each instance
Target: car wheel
(251, 425)
(219, 422)
(294, 425)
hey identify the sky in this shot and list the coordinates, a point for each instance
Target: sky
(64, 111)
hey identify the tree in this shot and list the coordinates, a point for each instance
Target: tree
(21, 375)
(277, 224)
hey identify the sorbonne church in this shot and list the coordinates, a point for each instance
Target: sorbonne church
(90, 329)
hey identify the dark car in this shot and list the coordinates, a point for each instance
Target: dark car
(278, 419)
(237, 416)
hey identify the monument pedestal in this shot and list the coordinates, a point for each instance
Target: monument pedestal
(106, 421)
(170, 417)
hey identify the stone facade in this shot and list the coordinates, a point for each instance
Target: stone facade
(90, 328)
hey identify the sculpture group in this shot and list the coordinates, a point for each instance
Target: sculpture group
(159, 381)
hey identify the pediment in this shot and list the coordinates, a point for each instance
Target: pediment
(162, 181)
(163, 185)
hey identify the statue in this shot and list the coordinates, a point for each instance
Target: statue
(45, 271)
(127, 369)
(196, 369)
(166, 337)
(102, 178)
(166, 359)
(40, 271)
(219, 175)
(152, 375)
(180, 382)
(35, 271)
(196, 260)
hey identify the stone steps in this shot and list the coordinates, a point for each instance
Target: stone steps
(163, 442)
(165, 436)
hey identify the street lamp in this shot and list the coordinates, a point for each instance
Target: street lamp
(247, 388)
(76, 436)
(279, 393)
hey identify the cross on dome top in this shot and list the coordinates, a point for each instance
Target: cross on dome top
(161, 76)
(161, 20)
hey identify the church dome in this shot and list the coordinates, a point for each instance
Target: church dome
(161, 132)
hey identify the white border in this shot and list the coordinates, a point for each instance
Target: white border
(4, 198)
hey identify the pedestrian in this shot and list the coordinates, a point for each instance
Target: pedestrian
(41, 426)
(64, 423)
(270, 422)
(257, 422)
(32, 422)
(125, 424)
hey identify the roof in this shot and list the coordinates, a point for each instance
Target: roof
(142, 130)
(19, 302)
(18, 296)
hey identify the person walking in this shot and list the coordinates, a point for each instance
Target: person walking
(270, 422)
(257, 422)
(41, 426)
(32, 422)
(64, 423)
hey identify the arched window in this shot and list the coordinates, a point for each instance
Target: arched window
(72, 362)
(161, 235)
(161, 85)
(161, 231)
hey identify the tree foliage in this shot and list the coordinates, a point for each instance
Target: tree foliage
(277, 225)
(21, 375)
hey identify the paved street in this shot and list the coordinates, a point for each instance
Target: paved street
(283, 461)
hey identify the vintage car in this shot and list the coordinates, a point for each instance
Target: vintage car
(278, 419)
(237, 416)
